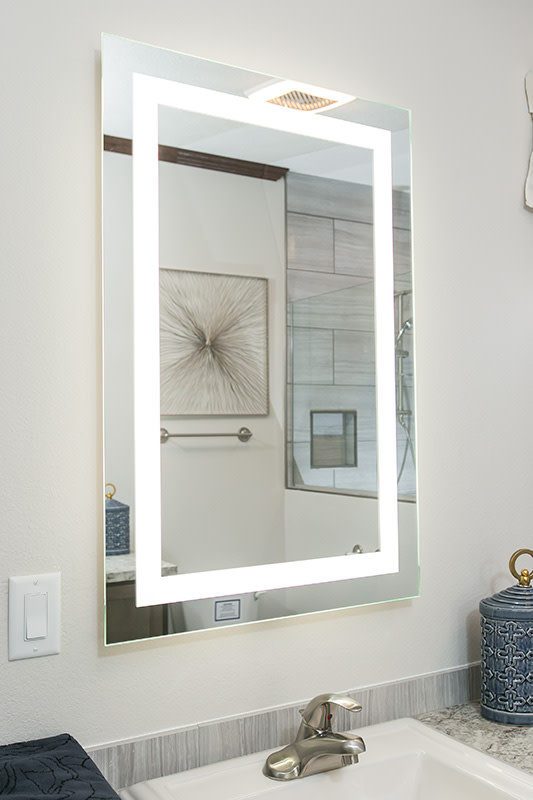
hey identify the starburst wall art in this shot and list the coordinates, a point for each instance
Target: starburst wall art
(213, 344)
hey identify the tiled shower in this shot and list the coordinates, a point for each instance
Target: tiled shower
(332, 385)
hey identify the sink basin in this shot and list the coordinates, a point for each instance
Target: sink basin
(404, 760)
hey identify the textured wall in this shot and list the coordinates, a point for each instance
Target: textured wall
(460, 68)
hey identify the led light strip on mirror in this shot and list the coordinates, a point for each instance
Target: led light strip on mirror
(151, 588)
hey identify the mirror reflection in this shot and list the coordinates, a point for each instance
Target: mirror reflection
(267, 296)
(332, 339)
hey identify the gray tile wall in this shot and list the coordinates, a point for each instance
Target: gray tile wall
(323, 197)
(331, 292)
(126, 763)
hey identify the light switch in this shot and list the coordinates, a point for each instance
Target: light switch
(34, 615)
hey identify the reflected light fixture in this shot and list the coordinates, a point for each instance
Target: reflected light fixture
(299, 96)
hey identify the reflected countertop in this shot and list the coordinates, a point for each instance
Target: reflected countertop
(122, 568)
(510, 743)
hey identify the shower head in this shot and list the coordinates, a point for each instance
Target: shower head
(407, 326)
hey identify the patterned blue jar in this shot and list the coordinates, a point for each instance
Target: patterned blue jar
(117, 525)
(507, 651)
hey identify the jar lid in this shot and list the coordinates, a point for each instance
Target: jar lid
(516, 602)
(110, 504)
(116, 505)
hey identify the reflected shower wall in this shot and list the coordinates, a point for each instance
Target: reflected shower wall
(333, 390)
(331, 408)
(405, 427)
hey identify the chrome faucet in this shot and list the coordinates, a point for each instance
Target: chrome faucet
(317, 748)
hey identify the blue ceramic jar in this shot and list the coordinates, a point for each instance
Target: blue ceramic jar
(507, 651)
(117, 525)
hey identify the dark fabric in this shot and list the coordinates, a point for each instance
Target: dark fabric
(57, 767)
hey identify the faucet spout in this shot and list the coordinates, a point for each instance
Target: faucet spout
(316, 749)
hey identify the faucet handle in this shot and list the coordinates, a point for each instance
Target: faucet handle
(318, 713)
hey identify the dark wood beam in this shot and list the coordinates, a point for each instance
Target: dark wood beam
(192, 158)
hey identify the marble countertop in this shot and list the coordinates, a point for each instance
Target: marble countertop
(510, 743)
(122, 568)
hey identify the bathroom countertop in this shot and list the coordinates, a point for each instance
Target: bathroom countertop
(510, 743)
(122, 568)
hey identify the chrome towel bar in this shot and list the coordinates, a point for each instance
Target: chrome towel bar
(243, 435)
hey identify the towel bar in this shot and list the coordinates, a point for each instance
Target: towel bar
(243, 435)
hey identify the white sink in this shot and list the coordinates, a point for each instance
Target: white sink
(404, 760)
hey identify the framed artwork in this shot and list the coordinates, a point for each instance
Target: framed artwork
(213, 344)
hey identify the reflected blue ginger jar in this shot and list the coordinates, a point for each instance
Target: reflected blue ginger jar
(507, 650)
(117, 525)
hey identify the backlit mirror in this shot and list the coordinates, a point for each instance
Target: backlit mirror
(258, 323)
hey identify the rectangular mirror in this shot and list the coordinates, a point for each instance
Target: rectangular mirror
(237, 229)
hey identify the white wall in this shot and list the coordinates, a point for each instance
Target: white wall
(221, 499)
(226, 498)
(460, 68)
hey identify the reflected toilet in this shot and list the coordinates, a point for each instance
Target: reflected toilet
(213, 612)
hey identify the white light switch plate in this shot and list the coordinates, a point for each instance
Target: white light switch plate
(34, 615)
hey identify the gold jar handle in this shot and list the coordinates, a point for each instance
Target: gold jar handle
(524, 578)
(109, 495)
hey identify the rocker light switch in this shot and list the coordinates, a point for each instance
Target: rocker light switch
(34, 616)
